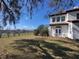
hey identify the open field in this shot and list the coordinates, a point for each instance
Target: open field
(28, 46)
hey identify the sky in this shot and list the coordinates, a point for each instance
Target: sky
(38, 18)
(30, 24)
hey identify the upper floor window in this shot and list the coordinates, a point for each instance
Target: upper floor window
(58, 19)
(63, 18)
(53, 19)
(77, 15)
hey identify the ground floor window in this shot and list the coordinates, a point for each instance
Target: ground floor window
(58, 31)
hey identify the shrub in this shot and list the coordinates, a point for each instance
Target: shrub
(42, 30)
(36, 32)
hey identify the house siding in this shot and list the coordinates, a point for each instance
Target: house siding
(56, 17)
(76, 31)
(72, 15)
(64, 29)
(70, 30)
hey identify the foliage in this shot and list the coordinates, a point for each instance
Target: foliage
(60, 5)
(42, 30)
(11, 9)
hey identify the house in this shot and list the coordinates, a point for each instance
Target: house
(65, 24)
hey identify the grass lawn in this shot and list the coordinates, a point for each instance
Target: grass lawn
(28, 46)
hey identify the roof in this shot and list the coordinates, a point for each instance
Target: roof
(65, 12)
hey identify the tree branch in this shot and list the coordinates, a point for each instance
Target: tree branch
(9, 10)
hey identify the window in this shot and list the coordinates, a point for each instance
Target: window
(58, 31)
(63, 18)
(77, 15)
(53, 19)
(58, 19)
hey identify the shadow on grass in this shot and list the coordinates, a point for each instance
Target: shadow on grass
(74, 42)
(44, 47)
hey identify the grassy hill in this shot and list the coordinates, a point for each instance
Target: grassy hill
(28, 46)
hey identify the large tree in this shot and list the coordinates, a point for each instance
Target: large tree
(11, 9)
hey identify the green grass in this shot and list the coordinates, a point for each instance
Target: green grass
(28, 46)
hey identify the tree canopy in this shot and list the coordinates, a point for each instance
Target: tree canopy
(42, 30)
(11, 9)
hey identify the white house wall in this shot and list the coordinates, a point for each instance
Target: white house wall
(72, 15)
(64, 31)
(56, 17)
(68, 16)
(67, 30)
(70, 30)
(76, 31)
(50, 20)
(50, 31)
(53, 31)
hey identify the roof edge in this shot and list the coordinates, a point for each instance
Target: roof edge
(77, 9)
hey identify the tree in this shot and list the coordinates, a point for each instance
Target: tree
(37, 31)
(63, 4)
(11, 9)
(42, 30)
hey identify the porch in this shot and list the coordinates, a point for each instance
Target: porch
(59, 31)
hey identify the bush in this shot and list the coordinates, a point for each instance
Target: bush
(42, 30)
(36, 32)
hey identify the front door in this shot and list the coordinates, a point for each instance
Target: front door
(58, 31)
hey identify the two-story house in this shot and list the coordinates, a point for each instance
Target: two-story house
(65, 24)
